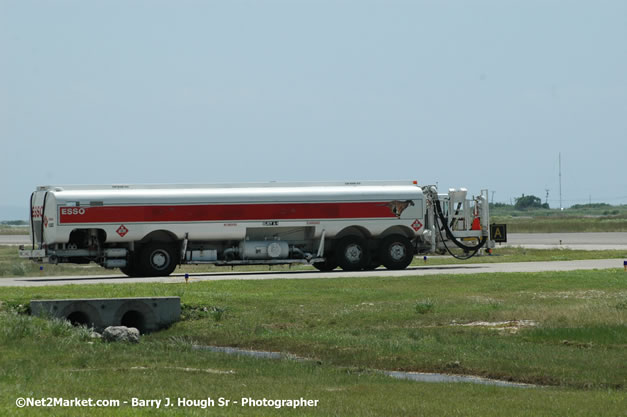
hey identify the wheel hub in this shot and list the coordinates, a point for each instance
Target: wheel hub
(353, 253)
(397, 251)
(160, 259)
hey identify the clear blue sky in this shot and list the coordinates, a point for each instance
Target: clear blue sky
(479, 94)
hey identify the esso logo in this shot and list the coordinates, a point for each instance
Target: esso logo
(72, 211)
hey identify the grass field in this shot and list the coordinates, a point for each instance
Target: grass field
(566, 331)
(14, 227)
(578, 218)
(562, 224)
(578, 210)
(13, 230)
(11, 265)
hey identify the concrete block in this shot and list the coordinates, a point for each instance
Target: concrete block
(145, 314)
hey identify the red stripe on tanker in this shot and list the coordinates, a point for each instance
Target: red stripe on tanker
(225, 212)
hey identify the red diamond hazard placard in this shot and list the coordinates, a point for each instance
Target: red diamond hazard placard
(416, 225)
(122, 230)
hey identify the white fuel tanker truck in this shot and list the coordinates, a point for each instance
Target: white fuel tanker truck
(147, 230)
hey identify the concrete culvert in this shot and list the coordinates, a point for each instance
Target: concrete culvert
(79, 318)
(134, 318)
(146, 314)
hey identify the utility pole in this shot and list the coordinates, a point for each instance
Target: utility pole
(492, 199)
(546, 200)
(560, 173)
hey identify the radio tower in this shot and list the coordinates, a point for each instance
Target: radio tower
(560, 174)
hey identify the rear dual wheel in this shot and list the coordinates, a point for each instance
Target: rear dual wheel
(396, 252)
(132, 268)
(130, 271)
(374, 264)
(352, 253)
(329, 263)
(156, 259)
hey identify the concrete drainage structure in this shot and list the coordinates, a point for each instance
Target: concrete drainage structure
(145, 314)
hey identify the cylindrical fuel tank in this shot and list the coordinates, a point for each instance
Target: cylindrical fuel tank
(128, 213)
(263, 249)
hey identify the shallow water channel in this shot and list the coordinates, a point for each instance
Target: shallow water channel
(413, 376)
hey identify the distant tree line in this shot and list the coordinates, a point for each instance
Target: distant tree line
(593, 205)
(524, 202)
(529, 202)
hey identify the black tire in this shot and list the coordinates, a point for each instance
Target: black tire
(132, 268)
(374, 258)
(352, 253)
(131, 271)
(396, 252)
(372, 265)
(157, 259)
(329, 263)
(127, 271)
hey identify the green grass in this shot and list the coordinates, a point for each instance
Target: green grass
(13, 230)
(409, 323)
(349, 326)
(518, 254)
(12, 266)
(51, 360)
(579, 218)
(577, 210)
(563, 224)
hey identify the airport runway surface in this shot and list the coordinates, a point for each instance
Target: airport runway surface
(413, 271)
(14, 240)
(583, 241)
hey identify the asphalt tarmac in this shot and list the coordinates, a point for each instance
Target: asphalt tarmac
(14, 240)
(583, 241)
(413, 271)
